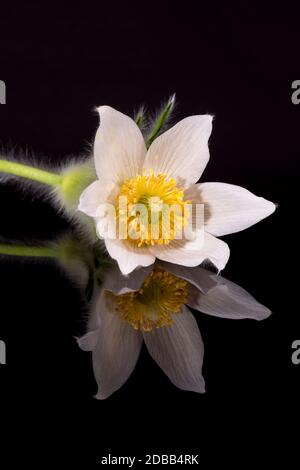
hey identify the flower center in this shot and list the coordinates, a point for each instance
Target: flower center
(160, 297)
(151, 210)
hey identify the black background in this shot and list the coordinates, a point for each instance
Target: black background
(236, 61)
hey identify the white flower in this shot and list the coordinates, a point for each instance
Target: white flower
(150, 305)
(166, 173)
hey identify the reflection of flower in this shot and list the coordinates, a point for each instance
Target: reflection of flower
(166, 173)
(151, 305)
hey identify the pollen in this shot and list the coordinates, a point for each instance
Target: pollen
(151, 210)
(153, 306)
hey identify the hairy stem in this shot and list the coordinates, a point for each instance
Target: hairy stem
(29, 251)
(28, 172)
(140, 117)
(161, 120)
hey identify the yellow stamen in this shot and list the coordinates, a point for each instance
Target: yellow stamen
(160, 297)
(165, 212)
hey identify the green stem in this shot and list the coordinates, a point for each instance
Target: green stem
(35, 174)
(18, 250)
(140, 117)
(161, 120)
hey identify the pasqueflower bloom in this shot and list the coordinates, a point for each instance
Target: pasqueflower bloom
(166, 174)
(151, 305)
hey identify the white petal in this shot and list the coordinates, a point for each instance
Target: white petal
(115, 355)
(202, 279)
(182, 152)
(88, 342)
(119, 148)
(127, 256)
(119, 284)
(230, 208)
(193, 253)
(95, 194)
(229, 300)
(178, 349)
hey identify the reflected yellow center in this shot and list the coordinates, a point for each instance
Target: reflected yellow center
(160, 297)
(151, 210)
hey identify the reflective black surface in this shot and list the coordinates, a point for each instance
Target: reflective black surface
(237, 63)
